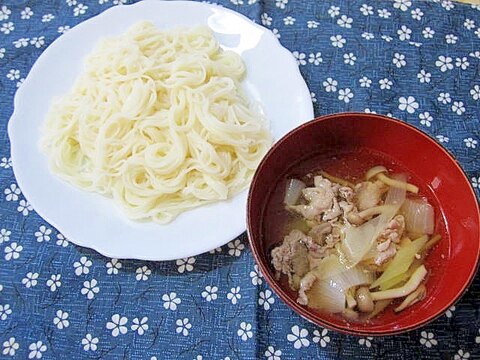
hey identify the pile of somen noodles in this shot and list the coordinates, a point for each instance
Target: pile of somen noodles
(353, 249)
(158, 121)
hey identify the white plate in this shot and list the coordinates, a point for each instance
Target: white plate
(92, 220)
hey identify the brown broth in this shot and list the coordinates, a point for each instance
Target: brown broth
(350, 166)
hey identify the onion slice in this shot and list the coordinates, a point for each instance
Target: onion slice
(419, 216)
(293, 191)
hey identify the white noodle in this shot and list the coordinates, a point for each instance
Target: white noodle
(157, 121)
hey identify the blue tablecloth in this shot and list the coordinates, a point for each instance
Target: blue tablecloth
(415, 60)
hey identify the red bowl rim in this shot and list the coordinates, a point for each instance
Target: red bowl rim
(302, 311)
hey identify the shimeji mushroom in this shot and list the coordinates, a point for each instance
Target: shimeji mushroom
(379, 173)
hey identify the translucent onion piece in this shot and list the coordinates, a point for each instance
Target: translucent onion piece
(358, 240)
(419, 216)
(293, 190)
(329, 294)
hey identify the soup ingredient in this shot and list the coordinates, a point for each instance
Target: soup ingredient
(349, 249)
(293, 191)
(413, 298)
(410, 286)
(419, 216)
(157, 121)
(329, 292)
(401, 262)
(291, 258)
(359, 240)
(395, 183)
(364, 299)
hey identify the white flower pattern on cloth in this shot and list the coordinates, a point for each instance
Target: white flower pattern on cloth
(54, 282)
(5, 235)
(349, 58)
(30, 279)
(12, 251)
(24, 207)
(61, 241)
(444, 63)
(385, 84)
(408, 104)
(300, 58)
(210, 293)
(43, 233)
(321, 338)
(298, 337)
(428, 32)
(113, 266)
(5, 311)
(36, 350)
(444, 98)
(235, 248)
(265, 299)
(140, 325)
(334, 11)
(399, 60)
(170, 301)
(142, 273)
(379, 51)
(5, 163)
(90, 343)
(366, 341)
(403, 5)
(245, 331)
(345, 95)
(338, 41)
(458, 108)
(82, 267)
(384, 13)
(345, 21)
(417, 14)
(185, 264)
(26, 13)
(256, 276)
(117, 325)
(12, 192)
(330, 85)
(272, 354)
(315, 59)
(10, 346)
(234, 295)
(424, 76)
(425, 119)
(427, 339)
(366, 10)
(61, 319)
(461, 355)
(183, 326)
(470, 142)
(404, 33)
(90, 288)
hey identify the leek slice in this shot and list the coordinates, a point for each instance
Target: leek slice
(401, 262)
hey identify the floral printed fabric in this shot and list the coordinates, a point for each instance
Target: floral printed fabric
(414, 60)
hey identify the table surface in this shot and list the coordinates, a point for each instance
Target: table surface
(415, 60)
